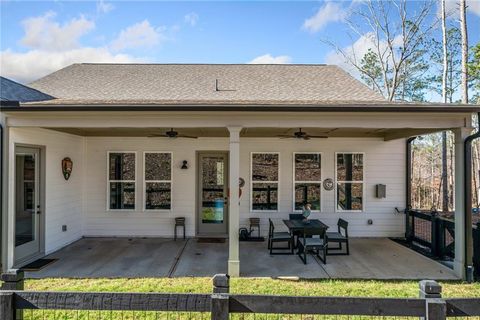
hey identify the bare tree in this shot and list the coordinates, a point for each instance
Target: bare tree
(445, 194)
(463, 29)
(397, 43)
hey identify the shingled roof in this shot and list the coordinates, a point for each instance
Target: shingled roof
(204, 83)
(14, 91)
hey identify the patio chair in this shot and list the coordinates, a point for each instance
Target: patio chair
(315, 240)
(295, 216)
(279, 237)
(339, 237)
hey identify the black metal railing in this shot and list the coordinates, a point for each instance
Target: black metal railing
(434, 235)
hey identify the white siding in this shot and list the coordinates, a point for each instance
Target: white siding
(384, 163)
(63, 199)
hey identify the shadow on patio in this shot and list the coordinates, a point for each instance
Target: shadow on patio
(371, 258)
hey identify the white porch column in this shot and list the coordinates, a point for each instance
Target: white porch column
(234, 203)
(459, 262)
(7, 229)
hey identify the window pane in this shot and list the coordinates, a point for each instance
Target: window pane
(307, 193)
(265, 196)
(122, 195)
(122, 166)
(264, 167)
(157, 166)
(158, 196)
(308, 167)
(350, 196)
(349, 167)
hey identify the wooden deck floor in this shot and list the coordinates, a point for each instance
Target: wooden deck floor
(370, 258)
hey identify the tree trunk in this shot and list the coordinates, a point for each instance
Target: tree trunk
(463, 29)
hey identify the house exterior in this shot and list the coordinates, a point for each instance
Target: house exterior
(142, 144)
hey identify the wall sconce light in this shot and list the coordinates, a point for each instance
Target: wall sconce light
(184, 165)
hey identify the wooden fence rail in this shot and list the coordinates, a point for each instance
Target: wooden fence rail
(221, 304)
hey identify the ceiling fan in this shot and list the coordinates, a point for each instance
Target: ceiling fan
(172, 134)
(300, 135)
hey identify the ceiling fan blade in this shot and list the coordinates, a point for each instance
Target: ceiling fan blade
(157, 136)
(284, 136)
(187, 137)
(318, 137)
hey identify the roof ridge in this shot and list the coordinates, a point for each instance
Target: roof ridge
(208, 64)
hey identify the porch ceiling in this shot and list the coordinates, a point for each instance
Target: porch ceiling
(386, 133)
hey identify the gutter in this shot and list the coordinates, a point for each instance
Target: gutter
(468, 202)
(408, 185)
(358, 108)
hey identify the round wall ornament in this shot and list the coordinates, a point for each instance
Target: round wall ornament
(67, 166)
(328, 184)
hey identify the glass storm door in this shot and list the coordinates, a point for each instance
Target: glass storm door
(212, 213)
(27, 206)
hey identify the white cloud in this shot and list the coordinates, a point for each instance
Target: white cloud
(53, 46)
(357, 51)
(46, 34)
(31, 65)
(330, 12)
(104, 7)
(269, 59)
(141, 34)
(191, 18)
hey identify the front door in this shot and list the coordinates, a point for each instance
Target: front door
(212, 207)
(27, 203)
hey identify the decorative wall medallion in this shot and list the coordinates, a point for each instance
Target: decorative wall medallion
(328, 184)
(241, 182)
(67, 166)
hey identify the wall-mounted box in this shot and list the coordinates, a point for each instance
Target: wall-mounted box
(381, 191)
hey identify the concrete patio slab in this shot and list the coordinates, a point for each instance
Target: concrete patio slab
(113, 258)
(370, 258)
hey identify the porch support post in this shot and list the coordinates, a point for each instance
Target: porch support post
(459, 262)
(6, 244)
(234, 202)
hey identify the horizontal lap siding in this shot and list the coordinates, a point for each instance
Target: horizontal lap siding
(384, 164)
(63, 199)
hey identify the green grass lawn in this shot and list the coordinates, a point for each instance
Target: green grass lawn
(366, 288)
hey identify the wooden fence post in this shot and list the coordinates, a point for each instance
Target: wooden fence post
(12, 280)
(435, 306)
(220, 298)
(7, 311)
(221, 283)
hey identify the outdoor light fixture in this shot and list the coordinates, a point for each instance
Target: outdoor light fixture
(184, 165)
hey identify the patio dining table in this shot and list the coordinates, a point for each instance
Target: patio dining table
(299, 225)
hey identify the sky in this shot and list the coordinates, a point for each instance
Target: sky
(40, 37)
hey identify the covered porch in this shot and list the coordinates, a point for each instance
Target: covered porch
(371, 258)
(82, 203)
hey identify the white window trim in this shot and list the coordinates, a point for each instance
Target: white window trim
(311, 182)
(127, 181)
(144, 198)
(252, 182)
(363, 182)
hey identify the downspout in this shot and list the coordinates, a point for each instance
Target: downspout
(1, 195)
(408, 184)
(467, 158)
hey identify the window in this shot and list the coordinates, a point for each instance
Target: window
(307, 180)
(121, 180)
(264, 181)
(158, 180)
(350, 180)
